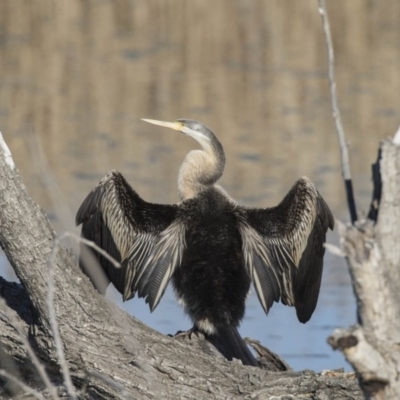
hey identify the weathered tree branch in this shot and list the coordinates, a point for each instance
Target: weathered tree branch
(109, 353)
(13, 324)
(373, 255)
(264, 384)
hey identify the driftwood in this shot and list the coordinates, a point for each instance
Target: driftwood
(108, 353)
(373, 252)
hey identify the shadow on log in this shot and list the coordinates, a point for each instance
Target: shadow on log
(108, 353)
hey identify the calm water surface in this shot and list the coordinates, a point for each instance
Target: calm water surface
(80, 75)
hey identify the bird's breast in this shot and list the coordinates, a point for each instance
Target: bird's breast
(212, 280)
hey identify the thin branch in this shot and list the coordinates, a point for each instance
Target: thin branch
(47, 179)
(336, 113)
(10, 162)
(50, 301)
(53, 320)
(39, 366)
(335, 250)
(110, 382)
(21, 384)
(91, 244)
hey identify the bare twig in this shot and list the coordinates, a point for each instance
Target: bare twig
(48, 181)
(110, 382)
(91, 244)
(8, 363)
(336, 113)
(21, 384)
(50, 302)
(39, 366)
(63, 211)
(53, 320)
(55, 193)
(335, 250)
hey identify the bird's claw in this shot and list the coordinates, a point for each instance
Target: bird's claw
(189, 333)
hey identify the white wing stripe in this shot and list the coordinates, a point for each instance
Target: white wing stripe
(281, 254)
(147, 248)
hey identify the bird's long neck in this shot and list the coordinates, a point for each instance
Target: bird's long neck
(201, 169)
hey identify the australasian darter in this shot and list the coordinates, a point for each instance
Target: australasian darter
(209, 246)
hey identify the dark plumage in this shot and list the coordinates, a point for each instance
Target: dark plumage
(209, 246)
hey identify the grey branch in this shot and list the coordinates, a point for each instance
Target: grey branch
(50, 297)
(21, 384)
(32, 355)
(336, 112)
(53, 320)
(332, 82)
(373, 255)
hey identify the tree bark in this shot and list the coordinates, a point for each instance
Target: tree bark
(110, 354)
(373, 254)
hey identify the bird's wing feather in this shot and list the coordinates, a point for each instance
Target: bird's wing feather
(148, 239)
(283, 248)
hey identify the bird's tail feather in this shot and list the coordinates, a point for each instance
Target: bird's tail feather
(233, 346)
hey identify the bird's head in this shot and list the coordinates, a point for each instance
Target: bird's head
(190, 127)
(201, 168)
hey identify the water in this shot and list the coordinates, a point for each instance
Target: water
(83, 74)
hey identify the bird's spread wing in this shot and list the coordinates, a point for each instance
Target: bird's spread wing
(148, 239)
(283, 248)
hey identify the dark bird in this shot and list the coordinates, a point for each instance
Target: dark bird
(209, 246)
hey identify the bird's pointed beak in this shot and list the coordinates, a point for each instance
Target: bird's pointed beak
(178, 126)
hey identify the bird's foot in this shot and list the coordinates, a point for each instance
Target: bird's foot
(193, 329)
